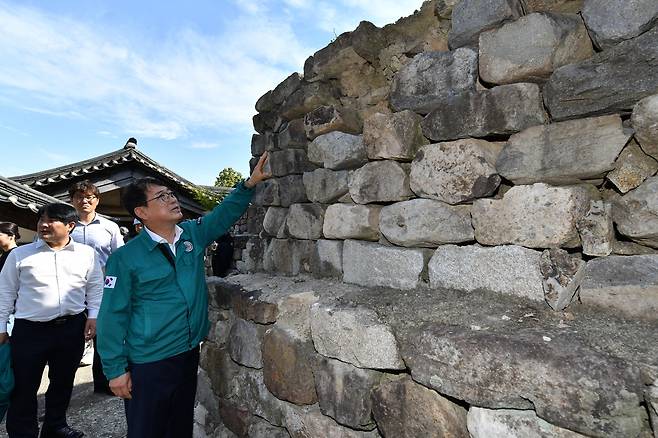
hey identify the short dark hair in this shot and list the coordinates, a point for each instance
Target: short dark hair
(59, 212)
(83, 187)
(10, 228)
(135, 194)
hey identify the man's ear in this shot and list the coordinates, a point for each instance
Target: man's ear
(70, 226)
(141, 212)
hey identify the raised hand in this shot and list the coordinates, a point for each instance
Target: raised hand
(258, 174)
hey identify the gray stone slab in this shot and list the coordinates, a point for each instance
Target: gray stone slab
(636, 213)
(471, 17)
(304, 221)
(326, 186)
(612, 21)
(338, 150)
(380, 181)
(396, 136)
(645, 123)
(505, 423)
(350, 221)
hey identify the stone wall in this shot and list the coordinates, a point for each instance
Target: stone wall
(461, 235)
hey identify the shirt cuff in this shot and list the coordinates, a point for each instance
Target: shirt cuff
(92, 313)
(3, 327)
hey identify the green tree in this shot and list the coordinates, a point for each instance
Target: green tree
(228, 177)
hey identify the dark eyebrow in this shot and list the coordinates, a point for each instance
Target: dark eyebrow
(165, 190)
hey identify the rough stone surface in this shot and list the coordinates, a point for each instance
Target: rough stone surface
(252, 255)
(396, 136)
(292, 135)
(561, 6)
(471, 17)
(563, 152)
(505, 423)
(645, 123)
(344, 392)
(263, 429)
(311, 423)
(562, 275)
(288, 366)
(308, 97)
(595, 394)
(631, 248)
(329, 259)
(305, 221)
(372, 264)
(506, 269)
(612, 21)
(326, 119)
(632, 167)
(426, 223)
(636, 213)
(355, 336)
(610, 82)
(326, 186)
(281, 192)
(628, 284)
(289, 256)
(405, 409)
(274, 222)
(338, 150)
(245, 305)
(652, 403)
(295, 313)
(536, 216)
(505, 109)
(259, 143)
(530, 48)
(596, 230)
(455, 172)
(245, 343)
(432, 76)
(349, 221)
(287, 162)
(380, 181)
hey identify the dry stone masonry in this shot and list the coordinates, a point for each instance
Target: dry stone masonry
(460, 238)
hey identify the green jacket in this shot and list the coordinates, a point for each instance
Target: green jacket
(149, 310)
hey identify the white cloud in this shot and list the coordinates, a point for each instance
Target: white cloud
(204, 145)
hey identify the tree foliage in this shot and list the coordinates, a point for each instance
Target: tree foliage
(228, 177)
(206, 198)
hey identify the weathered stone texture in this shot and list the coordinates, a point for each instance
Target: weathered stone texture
(564, 152)
(628, 284)
(562, 275)
(396, 136)
(288, 366)
(405, 409)
(245, 342)
(304, 221)
(632, 167)
(326, 186)
(329, 259)
(289, 256)
(596, 230)
(471, 17)
(295, 313)
(288, 162)
(636, 213)
(455, 172)
(349, 221)
(380, 181)
(506, 269)
(292, 135)
(505, 109)
(338, 150)
(561, 6)
(506, 423)
(326, 119)
(372, 264)
(274, 222)
(308, 97)
(610, 82)
(356, 336)
(280, 192)
(613, 21)
(432, 76)
(645, 123)
(426, 223)
(536, 216)
(529, 49)
(310, 423)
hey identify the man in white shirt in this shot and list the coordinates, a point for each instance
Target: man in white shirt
(105, 237)
(48, 284)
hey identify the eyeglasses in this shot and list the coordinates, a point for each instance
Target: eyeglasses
(85, 198)
(164, 197)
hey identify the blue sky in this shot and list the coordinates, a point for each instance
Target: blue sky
(78, 78)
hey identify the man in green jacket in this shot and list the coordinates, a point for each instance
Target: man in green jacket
(154, 310)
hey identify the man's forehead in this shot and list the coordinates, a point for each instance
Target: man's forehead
(155, 189)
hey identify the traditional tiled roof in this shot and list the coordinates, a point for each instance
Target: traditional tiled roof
(124, 155)
(23, 196)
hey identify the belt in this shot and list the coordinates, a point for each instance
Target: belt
(60, 320)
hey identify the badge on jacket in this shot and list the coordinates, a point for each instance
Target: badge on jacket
(188, 246)
(110, 282)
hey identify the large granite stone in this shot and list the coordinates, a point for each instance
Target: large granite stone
(505, 423)
(344, 392)
(563, 152)
(308, 97)
(326, 186)
(471, 17)
(562, 275)
(245, 343)
(288, 366)
(263, 429)
(396, 136)
(505, 109)
(289, 256)
(645, 123)
(274, 222)
(627, 284)
(596, 230)
(405, 409)
(632, 167)
(292, 135)
(326, 119)
(329, 259)
(380, 181)
(305, 221)
(455, 172)
(280, 192)
(426, 223)
(372, 264)
(506, 269)
(567, 382)
(295, 313)
(560, 6)
(610, 82)
(338, 150)
(354, 335)
(288, 162)
(349, 221)
(636, 213)
(259, 143)
(310, 423)
(612, 21)
(536, 216)
(432, 76)
(530, 48)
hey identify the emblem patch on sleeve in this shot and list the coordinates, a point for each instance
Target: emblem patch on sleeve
(110, 282)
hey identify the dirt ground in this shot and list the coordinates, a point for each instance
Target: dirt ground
(98, 416)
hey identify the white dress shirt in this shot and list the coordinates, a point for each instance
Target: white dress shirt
(158, 238)
(101, 234)
(41, 284)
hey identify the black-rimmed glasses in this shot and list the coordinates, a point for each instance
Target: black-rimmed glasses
(164, 197)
